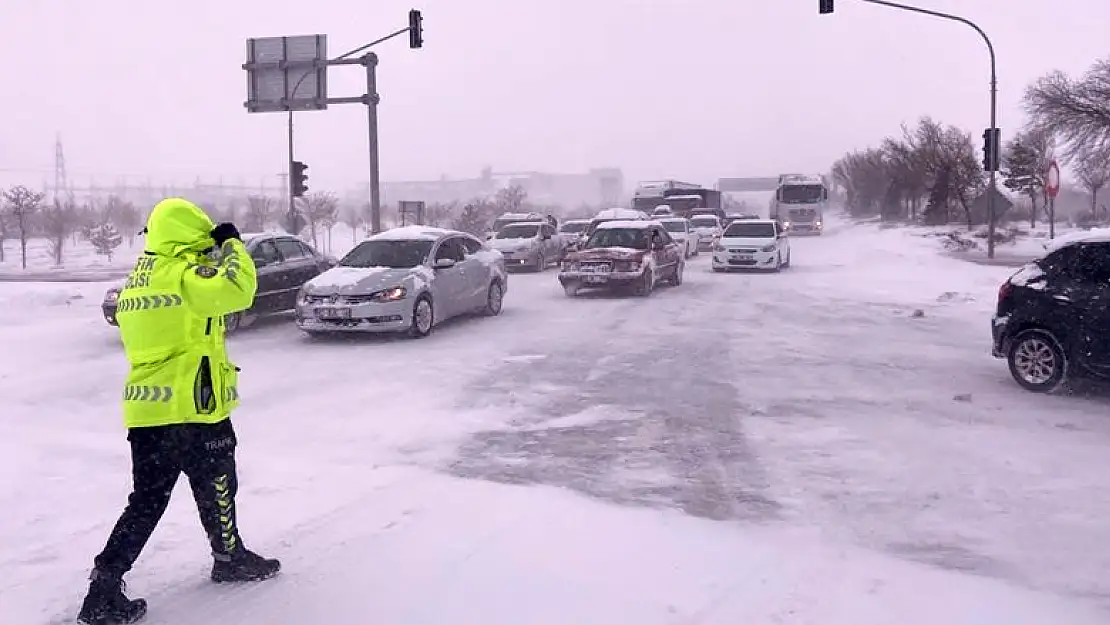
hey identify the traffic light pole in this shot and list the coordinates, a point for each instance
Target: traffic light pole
(291, 209)
(991, 216)
(372, 99)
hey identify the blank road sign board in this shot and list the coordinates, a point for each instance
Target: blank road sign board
(287, 74)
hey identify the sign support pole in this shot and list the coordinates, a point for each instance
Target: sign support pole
(370, 60)
(1051, 189)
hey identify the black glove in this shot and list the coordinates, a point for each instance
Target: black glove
(223, 232)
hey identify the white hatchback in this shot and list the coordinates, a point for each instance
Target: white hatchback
(752, 244)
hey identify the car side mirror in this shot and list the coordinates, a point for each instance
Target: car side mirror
(444, 263)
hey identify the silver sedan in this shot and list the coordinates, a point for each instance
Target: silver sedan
(404, 280)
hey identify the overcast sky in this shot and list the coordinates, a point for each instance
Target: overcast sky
(692, 89)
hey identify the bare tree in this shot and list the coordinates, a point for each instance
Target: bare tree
(475, 217)
(260, 209)
(1093, 171)
(1076, 111)
(354, 217)
(22, 203)
(129, 219)
(511, 199)
(59, 222)
(321, 208)
(3, 229)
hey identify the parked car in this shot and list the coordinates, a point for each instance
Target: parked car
(284, 263)
(752, 244)
(514, 218)
(1052, 320)
(406, 279)
(709, 229)
(637, 254)
(680, 230)
(573, 231)
(529, 244)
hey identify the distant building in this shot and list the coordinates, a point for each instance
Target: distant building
(596, 187)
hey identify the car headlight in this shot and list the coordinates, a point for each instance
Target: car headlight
(112, 296)
(768, 248)
(390, 295)
(818, 224)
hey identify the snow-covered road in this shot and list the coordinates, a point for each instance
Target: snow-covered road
(791, 448)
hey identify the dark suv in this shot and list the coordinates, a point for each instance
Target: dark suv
(284, 264)
(1053, 316)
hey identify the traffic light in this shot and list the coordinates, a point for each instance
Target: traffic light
(992, 151)
(416, 29)
(298, 178)
(824, 7)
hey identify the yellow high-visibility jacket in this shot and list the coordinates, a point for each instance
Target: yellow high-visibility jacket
(171, 318)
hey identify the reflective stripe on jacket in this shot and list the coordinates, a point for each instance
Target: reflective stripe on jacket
(171, 319)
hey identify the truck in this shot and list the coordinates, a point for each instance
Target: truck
(650, 193)
(799, 203)
(690, 202)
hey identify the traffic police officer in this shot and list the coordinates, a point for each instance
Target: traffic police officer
(179, 395)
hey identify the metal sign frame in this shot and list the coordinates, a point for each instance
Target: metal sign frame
(287, 74)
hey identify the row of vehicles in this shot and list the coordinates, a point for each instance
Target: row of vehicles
(642, 253)
(410, 279)
(405, 280)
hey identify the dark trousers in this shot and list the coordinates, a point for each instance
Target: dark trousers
(204, 453)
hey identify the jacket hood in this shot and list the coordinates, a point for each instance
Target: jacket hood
(178, 227)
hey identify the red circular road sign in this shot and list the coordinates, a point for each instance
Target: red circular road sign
(1052, 180)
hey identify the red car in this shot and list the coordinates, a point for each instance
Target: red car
(624, 254)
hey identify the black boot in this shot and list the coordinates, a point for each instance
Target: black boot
(107, 605)
(243, 566)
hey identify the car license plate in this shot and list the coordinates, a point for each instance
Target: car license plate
(333, 313)
(743, 257)
(595, 279)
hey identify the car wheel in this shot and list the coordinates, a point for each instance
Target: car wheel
(232, 322)
(786, 265)
(1037, 361)
(676, 279)
(646, 284)
(423, 317)
(495, 299)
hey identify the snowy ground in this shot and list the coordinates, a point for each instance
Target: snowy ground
(792, 448)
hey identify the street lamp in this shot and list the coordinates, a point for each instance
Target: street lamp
(825, 7)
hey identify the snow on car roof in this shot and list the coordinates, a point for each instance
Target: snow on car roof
(619, 213)
(412, 233)
(1098, 235)
(639, 224)
(664, 218)
(576, 221)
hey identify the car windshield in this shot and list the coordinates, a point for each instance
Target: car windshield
(634, 238)
(518, 231)
(674, 226)
(574, 228)
(801, 193)
(703, 222)
(394, 254)
(740, 230)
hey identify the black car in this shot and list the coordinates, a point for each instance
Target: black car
(284, 264)
(1053, 317)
